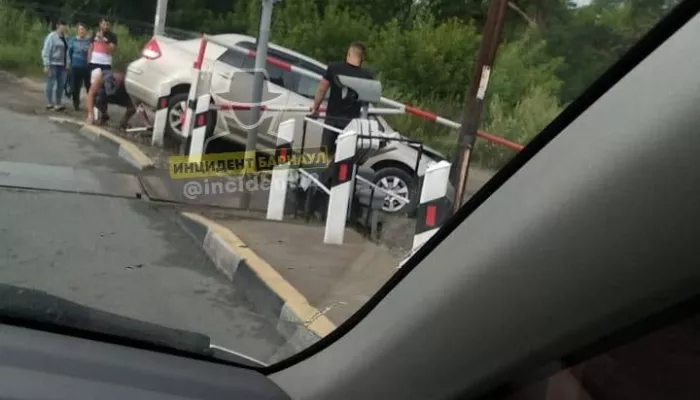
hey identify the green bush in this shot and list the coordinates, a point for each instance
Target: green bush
(19, 35)
(430, 66)
(529, 116)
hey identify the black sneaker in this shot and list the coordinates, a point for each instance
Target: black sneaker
(59, 108)
(49, 106)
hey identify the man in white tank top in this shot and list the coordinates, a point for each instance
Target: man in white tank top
(102, 46)
(104, 43)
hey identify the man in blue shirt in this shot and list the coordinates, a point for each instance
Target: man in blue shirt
(78, 47)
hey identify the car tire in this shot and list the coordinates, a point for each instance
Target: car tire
(398, 178)
(177, 104)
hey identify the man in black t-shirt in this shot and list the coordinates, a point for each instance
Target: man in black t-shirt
(342, 104)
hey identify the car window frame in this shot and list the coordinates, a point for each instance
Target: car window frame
(230, 54)
(288, 78)
(308, 66)
(310, 96)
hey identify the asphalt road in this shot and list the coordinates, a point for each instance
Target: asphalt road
(121, 255)
(35, 139)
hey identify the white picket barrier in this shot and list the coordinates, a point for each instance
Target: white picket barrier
(342, 183)
(195, 91)
(199, 127)
(160, 120)
(433, 207)
(281, 172)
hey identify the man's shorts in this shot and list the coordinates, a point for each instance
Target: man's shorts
(102, 67)
(95, 74)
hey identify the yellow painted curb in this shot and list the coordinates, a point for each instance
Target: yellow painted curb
(294, 301)
(134, 152)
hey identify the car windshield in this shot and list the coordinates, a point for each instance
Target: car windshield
(204, 210)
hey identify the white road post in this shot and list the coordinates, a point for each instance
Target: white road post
(281, 171)
(433, 207)
(342, 183)
(160, 120)
(199, 128)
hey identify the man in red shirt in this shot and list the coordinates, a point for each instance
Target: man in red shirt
(102, 47)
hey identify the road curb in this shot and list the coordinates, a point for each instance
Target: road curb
(126, 150)
(271, 295)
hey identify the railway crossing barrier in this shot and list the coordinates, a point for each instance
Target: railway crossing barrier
(342, 177)
(344, 173)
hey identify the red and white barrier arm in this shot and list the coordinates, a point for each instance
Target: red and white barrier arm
(403, 107)
(444, 121)
(247, 106)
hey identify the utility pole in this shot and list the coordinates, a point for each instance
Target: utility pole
(260, 61)
(161, 13)
(471, 115)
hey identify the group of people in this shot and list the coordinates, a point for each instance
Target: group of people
(84, 60)
(76, 56)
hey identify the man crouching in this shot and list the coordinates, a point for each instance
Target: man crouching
(107, 87)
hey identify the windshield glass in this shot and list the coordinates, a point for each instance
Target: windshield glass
(127, 191)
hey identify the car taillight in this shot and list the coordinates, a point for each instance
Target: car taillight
(151, 51)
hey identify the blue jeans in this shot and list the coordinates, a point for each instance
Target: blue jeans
(55, 85)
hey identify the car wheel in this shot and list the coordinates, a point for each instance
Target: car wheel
(401, 183)
(177, 106)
